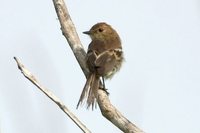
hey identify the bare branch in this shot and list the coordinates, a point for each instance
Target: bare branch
(70, 33)
(113, 115)
(107, 109)
(49, 94)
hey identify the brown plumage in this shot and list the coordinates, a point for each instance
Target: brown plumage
(104, 59)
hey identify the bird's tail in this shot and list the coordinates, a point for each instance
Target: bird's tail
(89, 92)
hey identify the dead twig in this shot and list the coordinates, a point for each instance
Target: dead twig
(49, 94)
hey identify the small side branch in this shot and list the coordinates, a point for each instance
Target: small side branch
(49, 94)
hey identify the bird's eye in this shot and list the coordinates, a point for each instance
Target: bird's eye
(100, 30)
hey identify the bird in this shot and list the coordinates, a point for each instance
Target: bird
(104, 58)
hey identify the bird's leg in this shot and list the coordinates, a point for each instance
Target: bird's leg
(104, 86)
(103, 83)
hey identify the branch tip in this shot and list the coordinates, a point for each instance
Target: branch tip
(19, 65)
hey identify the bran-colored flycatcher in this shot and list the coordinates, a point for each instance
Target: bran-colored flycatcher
(104, 58)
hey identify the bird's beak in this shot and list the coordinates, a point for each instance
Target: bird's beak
(87, 32)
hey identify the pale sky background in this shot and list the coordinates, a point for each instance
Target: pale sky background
(158, 87)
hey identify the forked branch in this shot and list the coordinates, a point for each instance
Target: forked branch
(107, 109)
